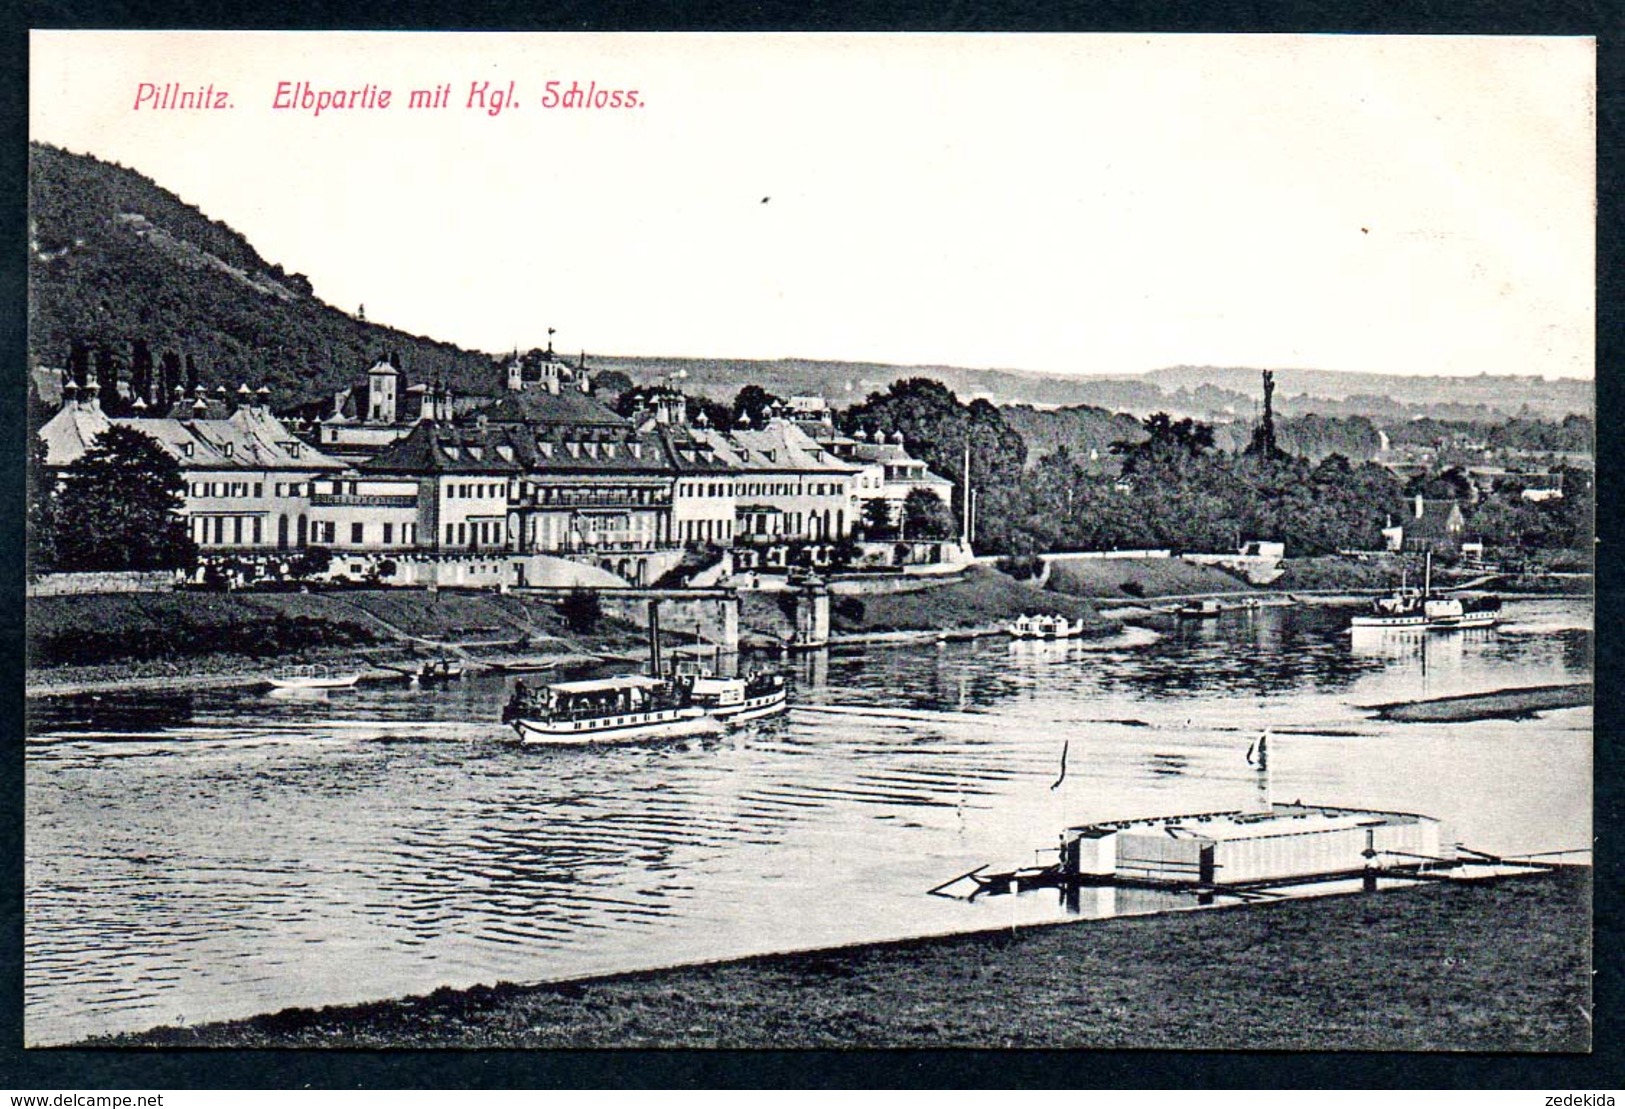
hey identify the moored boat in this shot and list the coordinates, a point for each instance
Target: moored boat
(1044, 627)
(439, 670)
(1199, 610)
(311, 677)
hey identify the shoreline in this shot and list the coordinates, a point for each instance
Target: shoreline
(1355, 971)
(219, 672)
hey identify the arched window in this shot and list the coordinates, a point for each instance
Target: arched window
(304, 530)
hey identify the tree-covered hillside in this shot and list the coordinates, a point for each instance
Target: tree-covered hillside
(114, 260)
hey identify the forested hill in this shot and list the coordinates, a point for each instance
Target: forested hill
(114, 259)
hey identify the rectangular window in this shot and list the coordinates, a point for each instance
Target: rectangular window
(259, 533)
(450, 531)
(237, 532)
(389, 534)
(219, 531)
(462, 535)
(357, 530)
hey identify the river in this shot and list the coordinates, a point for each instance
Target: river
(213, 854)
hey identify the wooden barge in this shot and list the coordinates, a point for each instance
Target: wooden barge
(1241, 852)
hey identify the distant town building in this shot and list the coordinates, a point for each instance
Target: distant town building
(1432, 525)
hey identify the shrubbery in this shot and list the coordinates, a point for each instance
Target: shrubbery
(1021, 567)
(850, 609)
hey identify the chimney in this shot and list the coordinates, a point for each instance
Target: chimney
(90, 396)
(671, 409)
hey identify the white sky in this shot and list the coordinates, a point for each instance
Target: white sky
(1085, 204)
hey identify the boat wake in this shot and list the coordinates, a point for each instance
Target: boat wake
(928, 716)
(1533, 629)
(331, 732)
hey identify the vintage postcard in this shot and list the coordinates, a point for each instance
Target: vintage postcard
(779, 541)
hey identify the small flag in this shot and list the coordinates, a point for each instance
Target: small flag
(1064, 745)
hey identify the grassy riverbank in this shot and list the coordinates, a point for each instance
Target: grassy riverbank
(134, 639)
(1120, 579)
(1452, 966)
(980, 599)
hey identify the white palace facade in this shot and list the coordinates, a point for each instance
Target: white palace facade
(523, 486)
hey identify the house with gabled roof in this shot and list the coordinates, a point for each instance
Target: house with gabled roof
(247, 475)
(789, 487)
(1433, 525)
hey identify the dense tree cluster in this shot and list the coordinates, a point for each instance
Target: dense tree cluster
(116, 508)
(1175, 489)
(937, 428)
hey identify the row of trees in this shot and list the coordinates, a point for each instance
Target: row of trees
(152, 381)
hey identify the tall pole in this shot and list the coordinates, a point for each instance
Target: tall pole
(965, 500)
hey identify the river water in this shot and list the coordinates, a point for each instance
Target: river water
(205, 855)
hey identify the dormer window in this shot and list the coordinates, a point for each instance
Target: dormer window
(637, 450)
(452, 452)
(229, 449)
(546, 449)
(186, 450)
(505, 451)
(476, 453)
(609, 450)
(574, 448)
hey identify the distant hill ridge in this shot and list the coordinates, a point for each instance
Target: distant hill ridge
(114, 257)
(1209, 392)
